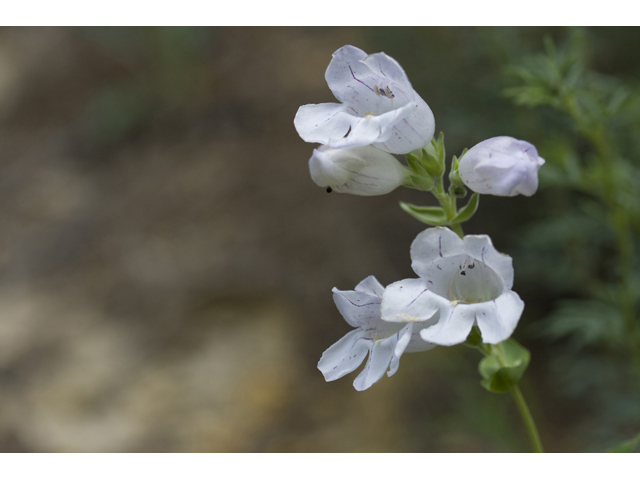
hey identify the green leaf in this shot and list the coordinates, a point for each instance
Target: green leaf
(628, 446)
(504, 367)
(466, 212)
(428, 215)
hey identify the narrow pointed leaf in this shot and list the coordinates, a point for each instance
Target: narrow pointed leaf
(428, 215)
(468, 210)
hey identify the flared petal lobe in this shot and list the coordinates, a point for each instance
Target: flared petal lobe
(454, 326)
(431, 244)
(344, 356)
(323, 122)
(379, 361)
(359, 309)
(498, 320)
(408, 301)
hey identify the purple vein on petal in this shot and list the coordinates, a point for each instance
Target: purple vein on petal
(363, 305)
(360, 81)
(417, 297)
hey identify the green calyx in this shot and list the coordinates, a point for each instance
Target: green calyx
(434, 155)
(503, 365)
(426, 171)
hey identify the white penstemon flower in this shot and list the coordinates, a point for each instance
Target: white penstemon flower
(385, 342)
(464, 282)
(378, 106)
(359, 171)
(502, 166)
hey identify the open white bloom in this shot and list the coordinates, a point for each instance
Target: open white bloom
(502, 166)
(359, 171)
(384, 341)
(378, 107)
(462, 282)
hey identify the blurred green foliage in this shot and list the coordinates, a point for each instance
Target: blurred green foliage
(593, 158)
(574, 93)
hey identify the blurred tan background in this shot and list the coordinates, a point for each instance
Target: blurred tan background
(167, 263)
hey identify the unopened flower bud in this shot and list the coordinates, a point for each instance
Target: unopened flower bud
(359, 171)
(502, 166)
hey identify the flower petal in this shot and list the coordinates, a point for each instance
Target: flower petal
(453, 327)
(498, 319)
(344, 356)
(321, 123)
(431, 244)
(364, 131)
(481, 248)
(416, 343)
(409, 300)
(378, 363)
(383, 65)
(403, 336)
(358, 308)
(371, 286)
(413, 130)
(345, 72)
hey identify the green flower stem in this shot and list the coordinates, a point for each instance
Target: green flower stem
(448, 203)
(529, 422)
(528, 419)
(456, 227)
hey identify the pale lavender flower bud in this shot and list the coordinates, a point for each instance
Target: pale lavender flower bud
(359, 171)
(502, 166)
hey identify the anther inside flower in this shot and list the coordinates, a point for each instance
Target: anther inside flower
(465, 282)
(385, 342)
(378, 106)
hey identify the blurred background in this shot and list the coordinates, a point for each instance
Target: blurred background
(166, 262)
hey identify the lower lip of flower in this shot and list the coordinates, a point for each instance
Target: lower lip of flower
(369, 115)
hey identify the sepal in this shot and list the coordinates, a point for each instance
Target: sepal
(419, 177)
(434, 156)
(454, 175)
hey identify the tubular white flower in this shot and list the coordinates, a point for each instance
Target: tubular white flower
(502, 166)
(359, 171)
(463, 282)
(385, 342)
(379, 106)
